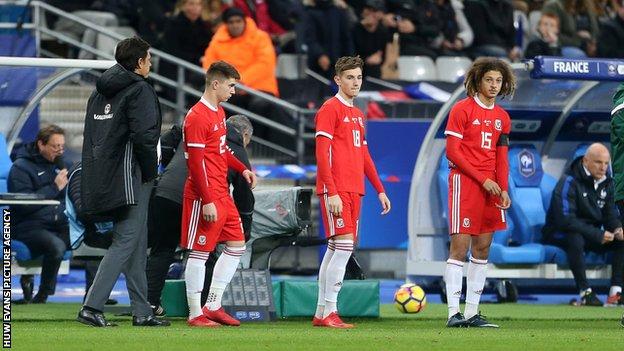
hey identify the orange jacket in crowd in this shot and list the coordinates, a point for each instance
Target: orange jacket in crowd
(252, 54)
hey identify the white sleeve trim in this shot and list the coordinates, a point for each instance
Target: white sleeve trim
(455, 134)
(196, 145)
(325, 134)
(365, 142)
(617, 108)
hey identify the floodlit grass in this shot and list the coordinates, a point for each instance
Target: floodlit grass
(523, 327)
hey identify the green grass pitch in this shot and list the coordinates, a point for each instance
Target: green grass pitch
(523, 327)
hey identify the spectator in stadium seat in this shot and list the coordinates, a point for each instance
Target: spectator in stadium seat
(607, 9)
(371, 37)
(547, 41)
(582, 217)
(418, 24)
(250, 50)
(119, 165)
(186, 36)
(578, 26)
(611, 39)
(493, 24)
(327, 35)
(263, 11)
(43, 229)
(456, 33)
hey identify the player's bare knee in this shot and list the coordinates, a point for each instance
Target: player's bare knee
(342, 237)
(235, 243)
(480, 253)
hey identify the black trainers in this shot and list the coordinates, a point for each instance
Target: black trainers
(590, 298)
(456, 321)
(479, 321)
(158, 311)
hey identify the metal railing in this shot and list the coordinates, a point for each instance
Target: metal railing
(180, 84)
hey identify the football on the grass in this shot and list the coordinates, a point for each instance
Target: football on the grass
(410, 298)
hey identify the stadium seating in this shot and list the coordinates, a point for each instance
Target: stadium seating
(452, 68)
(106, 44)
(5, 164)
(416, 68)
(290, 66)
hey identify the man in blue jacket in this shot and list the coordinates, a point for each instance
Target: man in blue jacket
(43, 229)
(583, 217)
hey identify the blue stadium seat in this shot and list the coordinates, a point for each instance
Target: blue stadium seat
(500, 251)
(22, 254)
(527, 211)
(527, 184)
(442, 180)
(5, 164)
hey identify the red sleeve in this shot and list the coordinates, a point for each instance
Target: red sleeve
(502, 159)
(233, 162)
(456, 122)
(371, 171)
(325, 121)
(195, 137)
(323, 169)
(454, 155)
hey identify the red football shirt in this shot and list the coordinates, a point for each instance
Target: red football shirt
(343, 124)
(479, 128)
(204, 128)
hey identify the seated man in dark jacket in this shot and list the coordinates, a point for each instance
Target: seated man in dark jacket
(583, 217)
(44, 228)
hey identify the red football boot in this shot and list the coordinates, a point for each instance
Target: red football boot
(202, 321)
(334, 321)
(317, 322)
(220, 316)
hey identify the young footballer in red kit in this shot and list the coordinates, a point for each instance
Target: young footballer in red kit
(209, 215)
(342, 161)
(477, 139)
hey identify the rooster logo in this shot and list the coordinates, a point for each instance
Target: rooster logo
(527, 163)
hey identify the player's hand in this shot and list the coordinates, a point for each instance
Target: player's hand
(209, 211)
(492, 187)
(251, 178)
(334, 203)
(619, 234)
(505, 201)
(375, 59)
(385, 203)
(61, 179)
(608, 237)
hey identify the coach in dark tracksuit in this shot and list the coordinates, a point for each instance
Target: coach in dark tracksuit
(43, 229)
(119, 164)
(583, 217)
